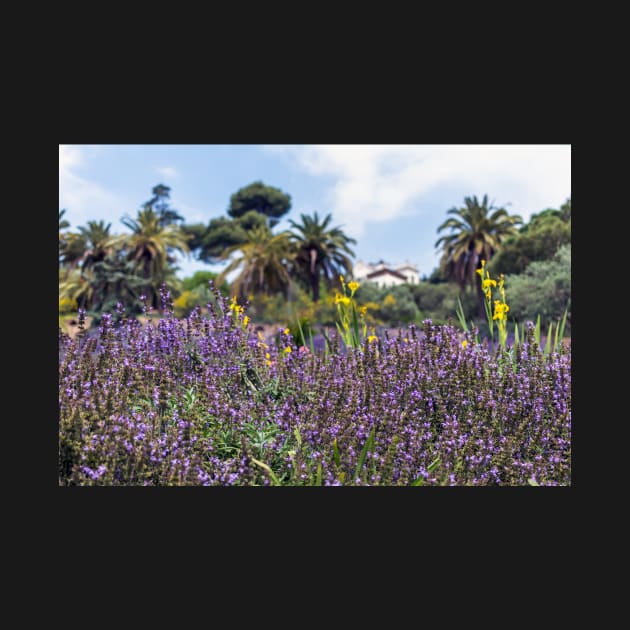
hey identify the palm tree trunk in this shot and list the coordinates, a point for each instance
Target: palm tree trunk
(314, 275)
(315, 286)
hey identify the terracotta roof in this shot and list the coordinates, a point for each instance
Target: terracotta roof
(385, 272)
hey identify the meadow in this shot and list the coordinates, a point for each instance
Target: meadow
(206, 400)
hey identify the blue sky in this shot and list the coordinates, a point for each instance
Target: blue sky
(390, 198)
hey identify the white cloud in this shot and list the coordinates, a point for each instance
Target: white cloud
(82, 198)
(167, 171)
(373, 183)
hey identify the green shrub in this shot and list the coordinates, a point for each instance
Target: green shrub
(544, 288)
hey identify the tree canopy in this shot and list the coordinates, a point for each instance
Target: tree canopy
(266, 200)
(160, 205)
(211, 242)
(537, 240)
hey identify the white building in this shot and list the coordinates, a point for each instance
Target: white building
(385, 275)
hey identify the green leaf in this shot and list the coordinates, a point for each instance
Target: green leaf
(537, 331)
(355, 327)
(548, 342)
(327, 345)
(318, 480)
(274, 478)
(532, 482)
(564, 321)
(459, 311)
(336, 455)
(368, 446)
(341, 333)
(300, 329)
(433, 464)
(420, 480)
(298, 437)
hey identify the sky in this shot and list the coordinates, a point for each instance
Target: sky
(390, 198)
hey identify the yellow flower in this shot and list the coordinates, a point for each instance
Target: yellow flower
(288, 349)
(486, 284)
(372, 338)
(353, 286)
(464, 343)
(235, 307)
(341, 278)
(267, 356)
(342, 299)
(245, 320)
(500, 310)
(363, 310)
(286, 331)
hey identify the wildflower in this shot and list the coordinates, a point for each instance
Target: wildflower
(464, 343)
(342, 299)
(500, 310)
(235, 307)
(353, 286)
(363, 310)
(245, 320)
(372, 338)
(341, 278)
(288, 349)
(286, 331)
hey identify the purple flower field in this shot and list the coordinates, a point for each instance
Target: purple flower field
(205, 401)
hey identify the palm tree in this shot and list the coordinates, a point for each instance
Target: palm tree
(320, 252)
(108, 282)
(97, 238)
(63, 223)
(71, 246)
(150, 246)
(477, 230)
(263, 263)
